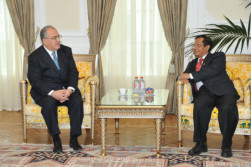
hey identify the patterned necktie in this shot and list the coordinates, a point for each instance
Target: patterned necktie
(198, 69)
(55, 59)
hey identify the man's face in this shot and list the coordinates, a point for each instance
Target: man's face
(52, 40)
(199, 49)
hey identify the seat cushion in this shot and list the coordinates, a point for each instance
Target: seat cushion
(35, 118)
(244, 111)
(35, 110)
(38, 122)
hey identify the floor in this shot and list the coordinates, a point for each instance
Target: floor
(133, 132)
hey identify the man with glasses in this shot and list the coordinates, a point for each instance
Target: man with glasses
(53, 76)
(211, 88)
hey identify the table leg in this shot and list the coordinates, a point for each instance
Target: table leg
(163, 127)
(117, 125)
(103, 129)
(116, 139)
(158, 136)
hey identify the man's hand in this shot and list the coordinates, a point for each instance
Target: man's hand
(186, 81)
(184, 77)
(68, 92)
(61, 95)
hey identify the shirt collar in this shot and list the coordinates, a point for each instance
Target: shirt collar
(50, 52)
(203, 57)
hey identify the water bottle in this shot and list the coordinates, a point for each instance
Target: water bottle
(142, 85)
(136, 85)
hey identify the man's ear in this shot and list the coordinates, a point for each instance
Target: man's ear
(44, 41)
(208, 47)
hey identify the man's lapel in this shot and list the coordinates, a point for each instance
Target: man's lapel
(207, 60)
(194, 64)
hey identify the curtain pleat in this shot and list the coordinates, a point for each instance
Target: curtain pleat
(173, 15)
(22, 15)
(100, 14)
(11, 62)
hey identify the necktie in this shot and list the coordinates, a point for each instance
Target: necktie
(199, 64)
(198, 69)
(55, 59)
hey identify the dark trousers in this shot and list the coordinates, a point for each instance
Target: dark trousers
(75, 112)
(204, 103)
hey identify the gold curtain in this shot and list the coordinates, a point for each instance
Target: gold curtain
(22, 15)
(100, 14)
(173, 14)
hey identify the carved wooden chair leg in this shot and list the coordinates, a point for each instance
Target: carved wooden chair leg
(246, 137)
(88, 131)
(116, 125)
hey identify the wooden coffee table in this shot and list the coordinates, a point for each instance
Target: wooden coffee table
(114, 106)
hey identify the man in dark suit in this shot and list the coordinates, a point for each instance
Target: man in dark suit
(211, 88)
(54, 78)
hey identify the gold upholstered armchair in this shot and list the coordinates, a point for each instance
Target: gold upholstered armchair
(87, 84)
(239, 70)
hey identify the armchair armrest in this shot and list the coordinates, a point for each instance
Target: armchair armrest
(180, 88)
(184, 93)
(93, 81)
(247, 91)
(23, 92)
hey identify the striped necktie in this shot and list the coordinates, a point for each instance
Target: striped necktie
(55, 59)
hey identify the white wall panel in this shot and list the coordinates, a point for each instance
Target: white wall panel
(77, 38)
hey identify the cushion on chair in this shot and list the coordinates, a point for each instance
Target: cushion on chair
(244, 111)
(63, 122)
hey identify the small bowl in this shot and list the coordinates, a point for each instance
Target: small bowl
(149, 91)
(122, 91)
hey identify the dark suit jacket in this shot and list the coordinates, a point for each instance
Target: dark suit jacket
(212, 74)
(44, 75)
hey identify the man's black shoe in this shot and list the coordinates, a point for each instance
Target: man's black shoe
(57, 147)
(74, 144)
(226, 152)
(198, 148)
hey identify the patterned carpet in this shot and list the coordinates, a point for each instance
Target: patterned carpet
(119, 156)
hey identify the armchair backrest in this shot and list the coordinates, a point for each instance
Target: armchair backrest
(239, 71)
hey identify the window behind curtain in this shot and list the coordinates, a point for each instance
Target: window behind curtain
(11, 61)
(136, 46)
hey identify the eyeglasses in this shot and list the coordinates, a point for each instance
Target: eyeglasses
(198, 45)
(55, 37)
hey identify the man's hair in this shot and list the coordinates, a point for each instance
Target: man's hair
(43, 32)
(206, 41)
